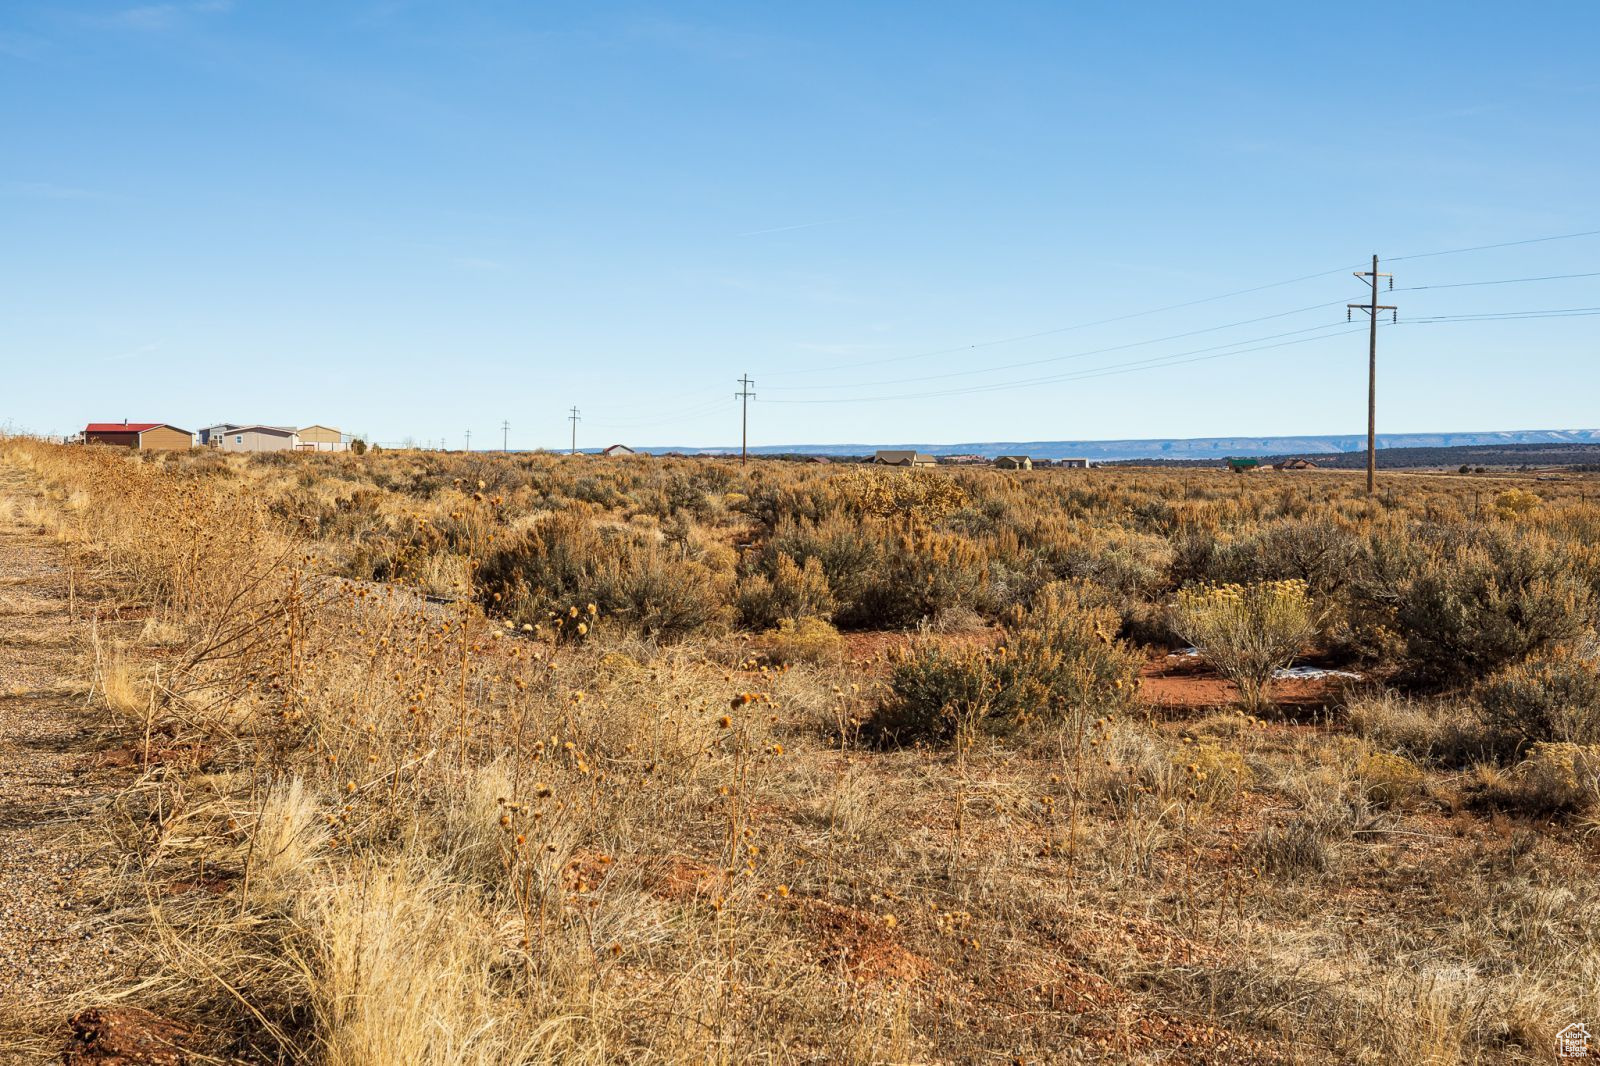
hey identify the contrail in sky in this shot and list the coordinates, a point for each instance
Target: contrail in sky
(785, 229)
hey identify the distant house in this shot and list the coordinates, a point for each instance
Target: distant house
(1295, 464)
(259, 439)
(211, 436)
(1014, 462)
(322, 439)
(818, 459)
(617, 451)
(1075, 464)
(902, 457)
(140, 436)
(1244, 466)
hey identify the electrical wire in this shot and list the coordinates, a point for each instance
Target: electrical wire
(686, 415)
(1155, 362)
(1508, 316)
(1135, 344)
(1018, 338)
(1212, 353)
(1060, 329)
(1497, 281)
(1487, 247)
(1063, 358)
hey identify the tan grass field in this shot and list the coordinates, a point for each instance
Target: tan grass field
(532, 759)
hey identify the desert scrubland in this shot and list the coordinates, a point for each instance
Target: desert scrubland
(425, 758)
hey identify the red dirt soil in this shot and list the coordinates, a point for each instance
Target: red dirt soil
(1186, 684)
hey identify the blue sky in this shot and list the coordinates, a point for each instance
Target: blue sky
(412, 219)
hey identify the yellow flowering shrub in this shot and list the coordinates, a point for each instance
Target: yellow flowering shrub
(1516, 503)
(1390, 780)
(1247, 631)
(1209, 772)
(810, 640)
(1558, 777)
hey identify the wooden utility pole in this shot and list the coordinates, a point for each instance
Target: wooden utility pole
(469, 440)
(1372, 308)
(505, 434)
(743, 396)
(574, 418)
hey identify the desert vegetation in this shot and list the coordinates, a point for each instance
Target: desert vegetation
(538, 759)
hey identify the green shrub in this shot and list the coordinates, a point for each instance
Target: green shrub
(936, 694)
(1060, 660)
(911, 578)
(565, 559)
(1474, 607)
(1553, 697)
(794, 591)
(661, 596)
(1061, 657)
(1318, 551)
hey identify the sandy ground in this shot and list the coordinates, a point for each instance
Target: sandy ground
(51, 953)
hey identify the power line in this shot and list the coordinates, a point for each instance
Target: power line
(1061, 329)
(1185, 358)
(1153, 362)
(1169, 307)
(1164, 360)
(683, 415)
(574, 418)
(1509, 316)
(1497, 281)
(1502, 244)
(1159, 340)
(1073, 355)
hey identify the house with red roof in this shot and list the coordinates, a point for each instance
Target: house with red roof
(140, 436)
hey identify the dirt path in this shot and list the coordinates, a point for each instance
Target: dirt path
(49, 954)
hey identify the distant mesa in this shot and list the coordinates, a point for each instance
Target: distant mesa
(1216, 448)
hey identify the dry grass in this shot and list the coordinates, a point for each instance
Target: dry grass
(393, 830)
(123, 691)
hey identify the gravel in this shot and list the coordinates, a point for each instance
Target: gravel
(52, 949)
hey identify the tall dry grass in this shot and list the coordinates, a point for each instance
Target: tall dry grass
(405, 831)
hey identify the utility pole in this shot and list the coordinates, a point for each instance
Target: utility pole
(1372, 308)
(505, 434)
(743, 396)
(574, 418)
(469, 440)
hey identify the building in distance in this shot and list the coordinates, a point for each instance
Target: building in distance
(140, 436)
(902, 457)
(257, 439)
(323, 439)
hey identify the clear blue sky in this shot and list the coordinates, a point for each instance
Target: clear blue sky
(411, 219)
